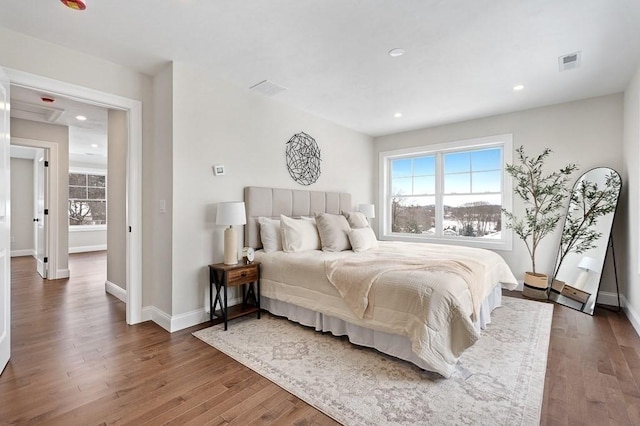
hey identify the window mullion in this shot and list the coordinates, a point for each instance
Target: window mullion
(439, 195)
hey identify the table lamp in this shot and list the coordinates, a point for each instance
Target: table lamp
(369, 210)
(587, 264)
(231, 213)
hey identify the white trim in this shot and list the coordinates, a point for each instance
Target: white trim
(189, 319)
(115, 290)
(86, 249)
(25, 252)
(633, 316)
(134, 170)
(151, 313)
(51, 201)
(608, 298)
(87, 228)
(59, 273)
(384, 223)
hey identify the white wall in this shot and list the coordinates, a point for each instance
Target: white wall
(587, 132)
(59, 135)
(217, 123)
(22, 239)
(630, 265)
(86, 240)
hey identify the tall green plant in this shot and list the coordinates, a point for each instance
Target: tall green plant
(543, 195)
(587, 203)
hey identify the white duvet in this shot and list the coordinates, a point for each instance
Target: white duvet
(432, 308)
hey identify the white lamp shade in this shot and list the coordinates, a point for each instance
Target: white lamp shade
(589, 264)
(231, 213)
(369, 210)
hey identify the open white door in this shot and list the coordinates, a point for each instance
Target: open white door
(5, 225)
(41, 219)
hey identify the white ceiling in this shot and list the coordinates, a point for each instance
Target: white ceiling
(462, 56)
(87, 139)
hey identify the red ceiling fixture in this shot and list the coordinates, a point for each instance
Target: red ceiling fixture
(75, 4)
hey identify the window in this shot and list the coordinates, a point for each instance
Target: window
(87, 199)
(451, 193)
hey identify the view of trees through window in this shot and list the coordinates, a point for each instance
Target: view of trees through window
(87, 199)
(470, 197)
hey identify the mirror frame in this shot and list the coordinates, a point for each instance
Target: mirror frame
(571, 296)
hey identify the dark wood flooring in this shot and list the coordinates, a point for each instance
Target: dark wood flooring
(76, 362)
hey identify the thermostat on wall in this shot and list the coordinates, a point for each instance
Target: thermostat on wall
(218, 170)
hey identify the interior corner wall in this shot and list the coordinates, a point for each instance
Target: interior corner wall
(22, 194)
(159, 170)
(117, 146)
(218, 123)
(27, 129)
(630, 265)
(588, 132)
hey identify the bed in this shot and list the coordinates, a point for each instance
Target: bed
(422, 303)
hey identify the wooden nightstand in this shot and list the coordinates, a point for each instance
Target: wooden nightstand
(222, 276)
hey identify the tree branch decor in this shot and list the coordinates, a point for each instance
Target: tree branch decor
(543, 195)
(587, 203)
(303, 158)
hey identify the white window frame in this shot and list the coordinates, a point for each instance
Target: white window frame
(505, 141)
(88, 228)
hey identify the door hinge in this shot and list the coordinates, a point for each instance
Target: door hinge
(46, 163)
(46, 260)
(46, 211)
(129, 229)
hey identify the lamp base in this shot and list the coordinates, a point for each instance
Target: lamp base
(230, 246)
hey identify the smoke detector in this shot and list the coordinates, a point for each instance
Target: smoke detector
(570, 61)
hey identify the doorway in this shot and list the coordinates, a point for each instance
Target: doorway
(133, 110)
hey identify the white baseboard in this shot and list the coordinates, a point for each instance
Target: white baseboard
(115, 290)
(181, 321)
(61, 273)
(151, 313)
(25, 252)
(86, 249)
(633, 316)
(608, 298)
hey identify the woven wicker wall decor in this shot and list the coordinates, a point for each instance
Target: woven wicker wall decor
(303, 159)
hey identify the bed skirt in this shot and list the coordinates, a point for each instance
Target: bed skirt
(391, 344)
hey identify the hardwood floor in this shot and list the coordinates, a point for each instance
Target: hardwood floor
(75, 362)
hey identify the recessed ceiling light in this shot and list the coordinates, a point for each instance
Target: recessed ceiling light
(81, 117)
(394, 53)
(397, 115)
(94, 145)
(518, 87)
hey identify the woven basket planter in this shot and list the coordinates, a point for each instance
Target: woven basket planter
(536, 286)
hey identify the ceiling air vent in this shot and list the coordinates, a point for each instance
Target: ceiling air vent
(570, 61)
(267, 88)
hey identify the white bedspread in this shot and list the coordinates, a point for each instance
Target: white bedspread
(433, 309)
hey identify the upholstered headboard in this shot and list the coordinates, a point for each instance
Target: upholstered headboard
(272, 202)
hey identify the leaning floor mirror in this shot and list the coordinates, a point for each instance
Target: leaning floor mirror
(586, 238)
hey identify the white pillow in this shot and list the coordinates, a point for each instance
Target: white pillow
(356, 219)
(270, 234)
(363, 239)
(333, 230)
(298, 234)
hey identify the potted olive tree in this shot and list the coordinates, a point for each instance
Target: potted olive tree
(543, 196)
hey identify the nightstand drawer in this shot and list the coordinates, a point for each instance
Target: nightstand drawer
(575, 293)
(242, 276)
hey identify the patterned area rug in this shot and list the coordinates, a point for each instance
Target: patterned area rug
(498, 381)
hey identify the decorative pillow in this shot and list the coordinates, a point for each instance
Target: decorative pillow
(333, 230)
(363, 239)
(298, 234)
(270, 234)
(356, 219)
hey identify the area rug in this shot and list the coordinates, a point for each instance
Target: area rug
(498, 381)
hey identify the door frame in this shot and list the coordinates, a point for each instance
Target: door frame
(134, 170)
(51, 202)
